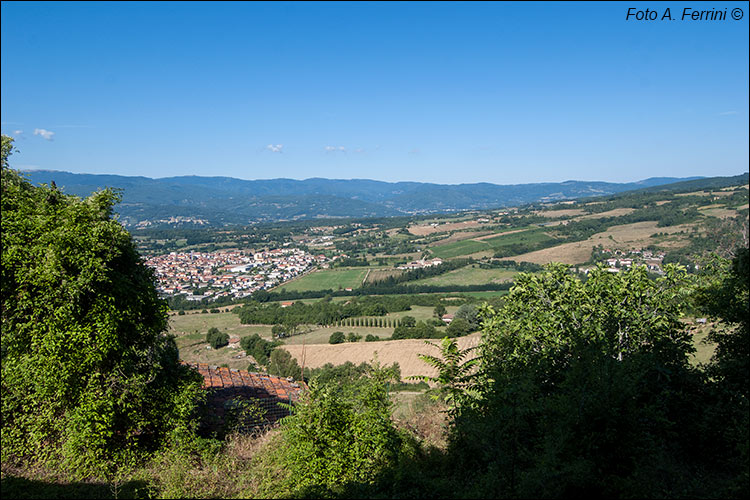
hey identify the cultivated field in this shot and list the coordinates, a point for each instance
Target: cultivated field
(317, 350)
(617, 212)
(324, 279)
(459, 248)
(405, 352)
(224, 321)
(489, 243)
(566, 212)
(194, 349)
(718, 211)
(381, 274)
(624, 237)
(469, 276)
(426, 229)
(462, 235)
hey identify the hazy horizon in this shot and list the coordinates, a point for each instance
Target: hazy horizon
(362, 178)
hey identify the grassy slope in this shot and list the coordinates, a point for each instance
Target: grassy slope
(468, 276)
(324, 279)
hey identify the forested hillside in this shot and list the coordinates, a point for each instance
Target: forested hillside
(224, 200)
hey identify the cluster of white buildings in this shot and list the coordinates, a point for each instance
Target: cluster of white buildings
(172, 220)
(625, 260)
(420, 264)
(235, 273)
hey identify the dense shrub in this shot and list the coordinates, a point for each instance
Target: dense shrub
(337, 338)
(337, 438)
(258, 348)
(88, 372)
(216, 338)
(283, 364)
(585, 389)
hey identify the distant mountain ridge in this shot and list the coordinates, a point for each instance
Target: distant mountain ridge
(226, 200)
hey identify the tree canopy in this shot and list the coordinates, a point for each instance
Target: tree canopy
(87, 370)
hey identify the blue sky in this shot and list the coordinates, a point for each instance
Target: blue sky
(446, 92)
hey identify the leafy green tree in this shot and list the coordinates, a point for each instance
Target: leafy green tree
(258, 348)
(337, 338)
(284, 365)
(726, 298)
(216, 338)
(455, 373)
(336, 438)
(353, 337)
(278, 331)
(88, 373)
(439, 311)
(458, 327)
(408, 321)
(470, 313)
(585, 388)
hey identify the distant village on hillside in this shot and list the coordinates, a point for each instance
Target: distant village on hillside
(229, 273)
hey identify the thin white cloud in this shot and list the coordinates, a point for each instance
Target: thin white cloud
(275, 148)
(727, 113)
(46, 134)
(334, 149)
(17, 132)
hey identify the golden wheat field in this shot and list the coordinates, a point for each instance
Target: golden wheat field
(405, 352)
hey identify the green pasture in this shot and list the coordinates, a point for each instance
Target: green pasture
(421, 312)
(485, 295)
(324, 279)
(195, 321)
(468, 247)
(528, 237)
(458, 248)
(320, 335)
(468, 276)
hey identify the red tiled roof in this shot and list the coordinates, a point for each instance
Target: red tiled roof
(258, 385)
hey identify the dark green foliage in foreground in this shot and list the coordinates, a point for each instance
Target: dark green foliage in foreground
(728, 300)
(88, 374)
(584, 389)
(337, 438)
